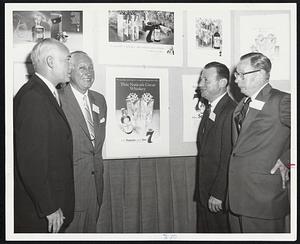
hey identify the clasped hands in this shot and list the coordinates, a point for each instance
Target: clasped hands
(55, 221)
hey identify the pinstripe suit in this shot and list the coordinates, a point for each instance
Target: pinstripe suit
(87, 159)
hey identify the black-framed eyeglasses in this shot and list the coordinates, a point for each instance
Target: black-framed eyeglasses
(241, 75)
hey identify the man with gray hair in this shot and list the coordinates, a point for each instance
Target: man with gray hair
(257, 194)
(43, 169)
(86, 112)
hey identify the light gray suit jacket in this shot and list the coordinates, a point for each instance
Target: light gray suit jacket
(87, 159)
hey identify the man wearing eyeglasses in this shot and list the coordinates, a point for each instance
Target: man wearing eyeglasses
(257, 192)
(86, 112)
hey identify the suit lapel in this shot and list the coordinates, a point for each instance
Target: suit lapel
(76, 110)
(263, 96)
(48, 93)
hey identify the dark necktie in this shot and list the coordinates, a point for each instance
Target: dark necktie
(205, 116)
(241, 116)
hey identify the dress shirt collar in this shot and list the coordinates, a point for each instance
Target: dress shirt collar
(48, 83)
(216, 101)
(79, 97)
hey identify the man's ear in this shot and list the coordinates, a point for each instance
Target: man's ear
(50, 61)
(223, 82)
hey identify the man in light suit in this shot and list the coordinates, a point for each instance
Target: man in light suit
(43, 173)
(261, 137)
(214, 148)
(86, 112)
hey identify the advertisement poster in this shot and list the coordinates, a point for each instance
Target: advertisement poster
(270, 35)
(193, 108)
(208, 37)
(137, 113)
(29, 27)
(140, 37)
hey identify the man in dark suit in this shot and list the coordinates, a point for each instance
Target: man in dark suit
(261, 136)
(214, 148)
(86, 112)
(43, 176)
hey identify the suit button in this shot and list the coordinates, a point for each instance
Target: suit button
(233, 155)
(93, 172)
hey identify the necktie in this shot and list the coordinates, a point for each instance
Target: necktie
(56, 97)
(88, 119)
(241, 116)
(205, 116)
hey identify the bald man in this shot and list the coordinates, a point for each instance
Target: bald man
(43, 176)
(86, 112)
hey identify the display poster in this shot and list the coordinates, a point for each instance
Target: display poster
(270, 35)
(193, 108)
(138, 114)
(29, 27)
(208, 37)
(140, 37)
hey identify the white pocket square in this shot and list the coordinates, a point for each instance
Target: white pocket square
(102, 120)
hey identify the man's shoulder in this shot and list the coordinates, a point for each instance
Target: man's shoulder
(97, 96)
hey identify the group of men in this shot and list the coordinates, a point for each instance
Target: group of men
(59, 134)
(243, 150)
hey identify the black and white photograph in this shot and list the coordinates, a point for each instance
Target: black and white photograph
(136, 26)
(150, 122)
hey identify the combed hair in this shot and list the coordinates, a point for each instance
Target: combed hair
(41, 50)
(259, 61)
(222, 70)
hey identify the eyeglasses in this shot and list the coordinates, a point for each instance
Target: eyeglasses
(241, 75)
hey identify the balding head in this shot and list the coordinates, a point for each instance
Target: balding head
(50, 58)
(82, 71)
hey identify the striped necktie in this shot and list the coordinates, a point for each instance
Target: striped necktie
(241, 116)
(56, 97)
(88, 119)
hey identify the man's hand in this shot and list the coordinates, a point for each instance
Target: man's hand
(284, 172)
(55, 221)
(214, 204)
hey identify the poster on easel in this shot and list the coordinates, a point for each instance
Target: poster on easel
(137, 101)
(208, 37)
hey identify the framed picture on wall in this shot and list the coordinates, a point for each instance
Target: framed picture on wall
(138, 114)
(135, 36)
(270, 35)
(208, 32)
(31, 26)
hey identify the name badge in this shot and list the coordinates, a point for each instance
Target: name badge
(256, 104)
(212, 116)
(95, 108)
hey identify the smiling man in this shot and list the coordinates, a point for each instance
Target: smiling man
(258, 197)
(86, 112)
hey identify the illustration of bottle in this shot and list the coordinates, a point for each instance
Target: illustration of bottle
(216, 39)
(38, 31)
(126, 31)
(156, 33)
(149, 27)
(126, 122)
(137, 28)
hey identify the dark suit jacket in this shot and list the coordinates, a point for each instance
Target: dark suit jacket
(43, 175)
(88, 162)
(214, 148)
(264, 138)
